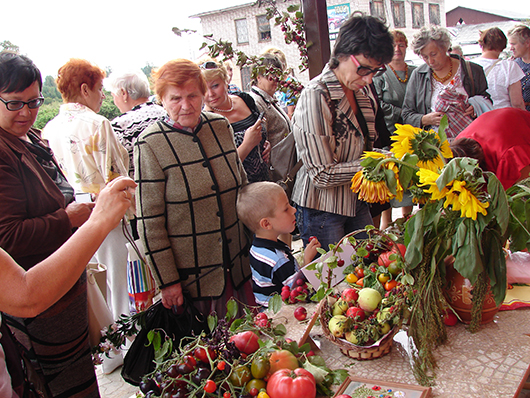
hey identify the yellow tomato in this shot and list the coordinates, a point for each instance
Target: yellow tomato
(263, 394)
(351, 278)
(383, 278)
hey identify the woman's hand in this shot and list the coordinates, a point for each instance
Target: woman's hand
(470, 111)
(266, 154)
(78, 213)
(172, 296)
(253, 135)
(113, 201)
(432, 119)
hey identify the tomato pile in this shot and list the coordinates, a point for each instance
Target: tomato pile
(241, 359)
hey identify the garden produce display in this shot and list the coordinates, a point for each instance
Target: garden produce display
(241, 358)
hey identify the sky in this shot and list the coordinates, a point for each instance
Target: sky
(125, 35)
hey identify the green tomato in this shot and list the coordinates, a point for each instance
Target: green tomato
(240, 376)
(256, 383)
(260, 367)
(394, 268)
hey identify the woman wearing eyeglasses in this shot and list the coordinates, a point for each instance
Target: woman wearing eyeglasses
(37, 214)
(443, 85)
(337, 118)
(244, 117)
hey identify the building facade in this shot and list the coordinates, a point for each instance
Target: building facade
(247, 27)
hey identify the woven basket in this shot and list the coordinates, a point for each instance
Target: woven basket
(376, 350)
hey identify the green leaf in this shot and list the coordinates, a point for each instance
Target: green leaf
(499, 202)
(275, 303)
(236, 324)
(391, 181)
(231, 309)
(280, 330)
(444, 122)
(212, 322)
(318, 372)
(414, 232)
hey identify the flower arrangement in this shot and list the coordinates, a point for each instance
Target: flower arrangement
(465, 214)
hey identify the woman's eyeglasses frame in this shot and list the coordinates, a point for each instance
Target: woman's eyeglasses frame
(16, 105)
(365, 71)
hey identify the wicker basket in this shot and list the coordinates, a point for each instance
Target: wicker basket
(376, 350)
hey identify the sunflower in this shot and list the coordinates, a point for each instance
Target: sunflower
(427, 145)
(428, 179)
(387, 165)
(370, 189)
(461, 198)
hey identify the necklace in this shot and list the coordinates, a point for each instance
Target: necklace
(225, 110)
(406, 74)
(446, 77)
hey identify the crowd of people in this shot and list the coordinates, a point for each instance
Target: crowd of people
(211, 223)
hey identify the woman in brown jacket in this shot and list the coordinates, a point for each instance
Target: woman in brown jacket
(37, 214)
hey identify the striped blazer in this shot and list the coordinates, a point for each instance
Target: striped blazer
(330, 141)
(188, 184)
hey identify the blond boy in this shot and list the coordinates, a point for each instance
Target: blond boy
(264, 208)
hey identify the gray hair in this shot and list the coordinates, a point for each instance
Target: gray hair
(134, 83)
(433, 33)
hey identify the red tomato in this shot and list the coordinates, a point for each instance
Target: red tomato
(210, 386)
(359, 272)
(402, 248)
(360, 282)
(383, 259)
(282, 359)
(390, 285)
(246, 342)
(287, 383)
(201, 355)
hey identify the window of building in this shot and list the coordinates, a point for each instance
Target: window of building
(245, 78)
(398, 12)
(264, 28)
(377, 9)
(418, 19)
(241, 31)
(434, 14)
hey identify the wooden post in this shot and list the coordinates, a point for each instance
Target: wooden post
(317, 33)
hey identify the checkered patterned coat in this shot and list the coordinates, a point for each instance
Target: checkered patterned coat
(188, 184)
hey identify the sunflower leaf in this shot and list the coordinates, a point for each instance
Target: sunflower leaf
(441, 129)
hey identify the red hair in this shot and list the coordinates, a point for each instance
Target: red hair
(73, 74)
(177, 73)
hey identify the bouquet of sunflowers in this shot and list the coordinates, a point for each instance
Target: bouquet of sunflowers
(464, 214)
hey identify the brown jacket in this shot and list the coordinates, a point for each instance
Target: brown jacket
(186, 205)
(33, 220)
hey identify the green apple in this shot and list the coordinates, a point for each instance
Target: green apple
(338, 325)
(340, 307)
(351, 337)
(369, 299)
(384, 328)
(383, 315)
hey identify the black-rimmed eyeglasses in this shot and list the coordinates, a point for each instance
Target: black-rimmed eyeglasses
(209, 65)
(18, 105)
(365, 71)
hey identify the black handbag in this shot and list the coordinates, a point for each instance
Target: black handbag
(139, 359)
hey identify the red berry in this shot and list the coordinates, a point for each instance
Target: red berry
(310, 354)
(221, 365)
(253, 392)
(300, 313)
(226, 395)
(311, 238)
(340, 263)
(450, 318)
(300, 282)
(285, 296)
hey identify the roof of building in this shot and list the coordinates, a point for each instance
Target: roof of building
(501, 13)
(227, 9)
(469, 34)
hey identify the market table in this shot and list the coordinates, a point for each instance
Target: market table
(494, 362)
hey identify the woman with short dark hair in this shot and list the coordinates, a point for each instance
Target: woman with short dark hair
(503, 75)
(37, 214)
(337, 118)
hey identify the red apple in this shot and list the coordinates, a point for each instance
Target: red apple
(350, 295)
(356, 314)
(300, 313)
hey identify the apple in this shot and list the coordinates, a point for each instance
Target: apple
(369, 299)
(351, 337)
(356, 314)
(350, 295)
(339, 307)
(383, 315)
(337, 325)
(384, 328)
(300, 313)
(450, 318)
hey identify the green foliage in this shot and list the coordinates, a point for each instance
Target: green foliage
(8, 46)
(108, 108)
(46, 113)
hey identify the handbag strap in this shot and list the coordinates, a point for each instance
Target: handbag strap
(292, 173)
(489, 68)
(470, 74)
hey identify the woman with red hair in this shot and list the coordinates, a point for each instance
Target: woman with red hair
(189, 175)
(90, 155)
